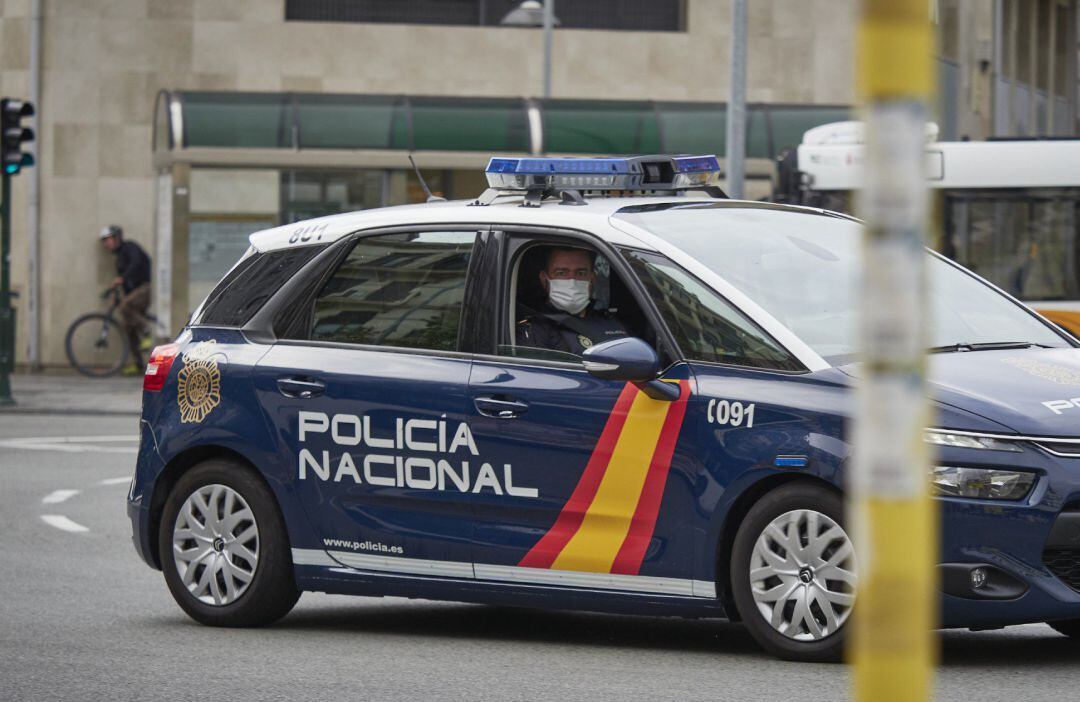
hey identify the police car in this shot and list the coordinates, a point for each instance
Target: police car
(563, 394)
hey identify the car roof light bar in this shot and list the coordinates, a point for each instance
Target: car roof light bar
(635, 173)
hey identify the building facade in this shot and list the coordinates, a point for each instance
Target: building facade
(192, 123)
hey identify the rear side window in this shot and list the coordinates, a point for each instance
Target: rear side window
(706, 327)
(247, 287)
(403, 290)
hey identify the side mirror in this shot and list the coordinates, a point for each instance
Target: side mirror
(632, 360)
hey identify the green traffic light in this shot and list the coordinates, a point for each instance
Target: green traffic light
(13, 167)
(13, 136)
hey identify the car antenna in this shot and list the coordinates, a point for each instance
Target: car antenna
(423, 183)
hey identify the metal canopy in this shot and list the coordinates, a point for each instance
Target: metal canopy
(209, 122)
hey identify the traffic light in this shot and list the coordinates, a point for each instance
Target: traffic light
(13, 135)
(12, 160)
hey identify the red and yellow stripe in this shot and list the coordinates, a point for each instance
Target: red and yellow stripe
(606, 525)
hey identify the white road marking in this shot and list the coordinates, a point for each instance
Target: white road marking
(80, 439)
(73, 444)
(57, 496)
(63, 523)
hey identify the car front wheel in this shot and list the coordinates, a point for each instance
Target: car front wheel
(793, 573)
(224, 550)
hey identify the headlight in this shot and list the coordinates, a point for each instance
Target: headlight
(944, 438)
(982, 483)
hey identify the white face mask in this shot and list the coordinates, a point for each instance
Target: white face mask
(569, 295)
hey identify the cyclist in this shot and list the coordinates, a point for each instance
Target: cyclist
(133, 282)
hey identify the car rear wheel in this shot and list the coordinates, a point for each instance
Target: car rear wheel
(1069, 628)
(224, 550)
(793, 573)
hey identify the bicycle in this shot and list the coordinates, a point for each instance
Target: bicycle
(96, 343)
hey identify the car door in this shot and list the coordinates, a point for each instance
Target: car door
(368, 400)
(756, 414)
(596, 481)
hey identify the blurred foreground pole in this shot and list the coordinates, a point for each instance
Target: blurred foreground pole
(895, 524)
(736, 108)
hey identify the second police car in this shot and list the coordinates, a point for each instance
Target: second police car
(552, 397)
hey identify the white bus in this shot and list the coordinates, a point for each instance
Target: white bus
(1010, 209)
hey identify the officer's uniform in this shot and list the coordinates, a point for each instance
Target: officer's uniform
(554, 329)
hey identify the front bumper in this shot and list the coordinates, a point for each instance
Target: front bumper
(1033, 542)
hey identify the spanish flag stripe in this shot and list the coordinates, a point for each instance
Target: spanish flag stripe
(604, 528)
(630, 556)
(544, 553)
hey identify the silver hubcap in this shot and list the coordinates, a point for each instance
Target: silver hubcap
(802, 575)
(216, 544)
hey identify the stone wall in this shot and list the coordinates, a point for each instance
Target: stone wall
(104, 61)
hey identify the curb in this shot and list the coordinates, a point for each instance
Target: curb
(69, 411)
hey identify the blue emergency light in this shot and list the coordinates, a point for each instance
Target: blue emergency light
(632, 173)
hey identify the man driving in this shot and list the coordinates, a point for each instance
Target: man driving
(567, 321)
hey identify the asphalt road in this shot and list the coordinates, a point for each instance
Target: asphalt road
(81, 618)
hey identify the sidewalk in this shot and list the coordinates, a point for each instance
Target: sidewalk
(74, 394)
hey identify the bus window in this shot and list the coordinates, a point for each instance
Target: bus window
(1023, 242)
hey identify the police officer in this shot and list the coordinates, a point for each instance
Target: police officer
(567, 321)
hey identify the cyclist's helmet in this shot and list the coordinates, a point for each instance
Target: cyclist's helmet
(111, 230)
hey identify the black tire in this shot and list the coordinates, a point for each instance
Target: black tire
(96, 345)
(1070, 628)
(787, 498)
(271, 592)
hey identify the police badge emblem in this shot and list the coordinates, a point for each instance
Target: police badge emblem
(585, 341)
(198, 383)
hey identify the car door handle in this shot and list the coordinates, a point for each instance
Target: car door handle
(303, 388)
(500, 407)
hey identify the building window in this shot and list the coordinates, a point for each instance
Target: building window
(310, 193)
(631, 15)
(948, 33)
(1035, 95)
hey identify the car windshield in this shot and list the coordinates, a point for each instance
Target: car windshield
(803, 269)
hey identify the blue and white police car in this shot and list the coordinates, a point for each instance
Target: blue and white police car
(601, 385)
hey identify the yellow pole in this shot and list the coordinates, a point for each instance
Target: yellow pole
(892, 644)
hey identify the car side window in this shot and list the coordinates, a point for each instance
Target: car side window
(402, 290)
(539, 328)
(251, 283)
(705, 325)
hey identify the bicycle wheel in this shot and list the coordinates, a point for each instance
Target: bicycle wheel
(96, 345)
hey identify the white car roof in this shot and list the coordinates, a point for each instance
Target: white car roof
(592, 217)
